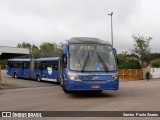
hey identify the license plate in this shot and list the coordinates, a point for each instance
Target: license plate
(95, 86)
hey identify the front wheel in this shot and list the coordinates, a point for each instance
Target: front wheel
(98, 91)
(61, 82)
(64, 88)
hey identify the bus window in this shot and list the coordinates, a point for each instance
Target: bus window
(26, 65)
(10, 64)
(38, 66)
(20, 65)
(44, 67)
(51, 64)
(14, 65)
(55, 65)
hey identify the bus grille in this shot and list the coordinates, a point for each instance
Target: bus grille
(94, 78)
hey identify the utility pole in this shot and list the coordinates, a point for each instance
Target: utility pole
(111, 28)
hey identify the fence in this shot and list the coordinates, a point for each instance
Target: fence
(131, 74)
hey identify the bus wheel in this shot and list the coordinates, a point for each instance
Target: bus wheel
(98, 91)
(38, 78)
(61, 83)
(64, 88)
(15, 75)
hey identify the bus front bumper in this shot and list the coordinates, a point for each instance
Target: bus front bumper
(78, 85)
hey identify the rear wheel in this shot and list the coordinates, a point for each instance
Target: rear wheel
(38, 78)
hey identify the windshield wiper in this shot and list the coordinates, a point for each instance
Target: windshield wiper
(103, 63)
(85, 62)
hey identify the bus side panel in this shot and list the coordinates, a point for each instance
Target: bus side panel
(11, 71)
(19, 72)
(36, 73)
(26, 73)
(50, 75)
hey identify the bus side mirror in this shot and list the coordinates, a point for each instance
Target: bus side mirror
(115, 52)
(65, 49)
(64, 61)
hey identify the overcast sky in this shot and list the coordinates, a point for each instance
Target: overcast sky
(37, 21)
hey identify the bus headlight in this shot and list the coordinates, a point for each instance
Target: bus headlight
(115, 78)
(75, 78)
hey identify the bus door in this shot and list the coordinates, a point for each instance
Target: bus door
(19, 71)
(38, 69)
(44, 71)
(10, 68)
(26, 70)
(50, 72)
(53, 71)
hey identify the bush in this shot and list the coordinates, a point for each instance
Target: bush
(129, 64)
(156, 63)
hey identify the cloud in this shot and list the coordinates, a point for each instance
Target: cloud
(56, 20)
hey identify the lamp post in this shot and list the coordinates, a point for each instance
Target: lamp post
(111, 27)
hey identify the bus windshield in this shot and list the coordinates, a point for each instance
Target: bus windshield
(91, 57)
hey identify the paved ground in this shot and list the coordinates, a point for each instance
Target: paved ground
(11, 83)
(29, 95)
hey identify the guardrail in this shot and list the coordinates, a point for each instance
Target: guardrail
(5, 79)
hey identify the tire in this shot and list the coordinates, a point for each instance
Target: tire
(98, 91)
(64, 88)
(38, 78)
(61, 83)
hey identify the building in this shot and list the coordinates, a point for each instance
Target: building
(10, 52)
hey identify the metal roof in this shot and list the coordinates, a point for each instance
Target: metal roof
(87, 40)
(47, 59)
(19, 59)
(10, 52)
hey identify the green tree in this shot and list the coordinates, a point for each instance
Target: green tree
(46, 49)
(142, 48)
(156, 63)
(154, 56)
(32, 48)
(24, 45)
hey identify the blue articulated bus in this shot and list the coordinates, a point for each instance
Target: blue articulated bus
(88, 64)
(40, 69)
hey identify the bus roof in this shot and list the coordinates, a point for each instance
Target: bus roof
(47, 59)
(39, 59)
(20, 59)
(87, 40)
